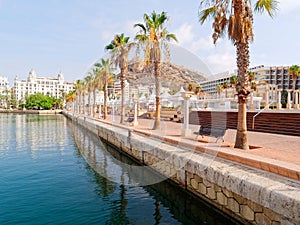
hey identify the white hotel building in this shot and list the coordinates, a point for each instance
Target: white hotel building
(4, 86)
(47, 86)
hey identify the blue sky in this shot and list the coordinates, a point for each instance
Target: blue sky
(70, 35)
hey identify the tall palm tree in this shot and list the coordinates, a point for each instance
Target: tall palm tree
(294, 71)
(89, 79)
(105, 76)
(119, 48)
(98, 85)
(235, 18)
(78, 90)
(154, 35)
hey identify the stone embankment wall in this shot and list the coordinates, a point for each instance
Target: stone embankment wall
(249, 195)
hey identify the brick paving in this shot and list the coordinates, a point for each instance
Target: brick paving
(276, 153)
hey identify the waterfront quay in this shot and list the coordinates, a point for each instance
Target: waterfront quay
(259, 186)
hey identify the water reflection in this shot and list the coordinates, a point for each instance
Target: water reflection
(19, 130)
(160, 203)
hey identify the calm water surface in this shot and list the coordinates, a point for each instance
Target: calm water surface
(53, 172)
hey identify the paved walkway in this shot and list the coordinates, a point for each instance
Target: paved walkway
(272, 152)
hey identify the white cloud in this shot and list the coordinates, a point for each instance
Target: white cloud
(203, 44)
(184, 34)
(286, 6)
(221, 59)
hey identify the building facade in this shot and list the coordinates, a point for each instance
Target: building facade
(269, 75)
(54, 87)
(4, 91)
(210, 86)
(4, 86)
(275, 75)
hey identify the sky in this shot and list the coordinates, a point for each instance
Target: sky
(68, 36)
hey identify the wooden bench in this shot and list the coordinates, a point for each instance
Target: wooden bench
(217, 132)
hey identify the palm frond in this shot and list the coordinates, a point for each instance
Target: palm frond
(266, 5)
(206, 13)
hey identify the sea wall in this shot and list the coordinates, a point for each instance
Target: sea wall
(249, 195)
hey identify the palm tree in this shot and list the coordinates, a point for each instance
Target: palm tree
(235, 18)
(119, 48)
(294, 71)
(219, 89)
(198, 89)
(78, 91)
(154, 35)
(251, 76)
(233, 83)
(225, 86)
(105, 76)
(70, 97)
(89, 80)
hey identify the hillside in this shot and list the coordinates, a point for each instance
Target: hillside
(172, 75)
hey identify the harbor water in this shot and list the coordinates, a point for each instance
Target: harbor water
(53, 171)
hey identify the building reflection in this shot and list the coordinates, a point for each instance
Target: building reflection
(35, 132)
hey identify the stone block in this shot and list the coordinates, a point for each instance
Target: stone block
(202, 189)
(211, 193)
(271, 215)
(207, 183)
(197, 178)
(221, 198)
(247, 212)
(194, 183)
(227, 193)
(261, 219)
(233, 205)
(255, 207)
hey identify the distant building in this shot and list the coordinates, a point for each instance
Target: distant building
(4, 86)
(48, 86)
(272, 75)
(4, 91)
(210, 86)
(275, 75)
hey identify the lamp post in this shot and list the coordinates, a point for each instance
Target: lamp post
(186, 96)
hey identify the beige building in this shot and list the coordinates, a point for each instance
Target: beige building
(275, 75)
(48, 86)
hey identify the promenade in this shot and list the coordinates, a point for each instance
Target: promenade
(279, 154)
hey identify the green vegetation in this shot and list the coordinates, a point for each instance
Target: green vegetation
(40, 101)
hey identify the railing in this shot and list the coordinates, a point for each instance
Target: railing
(259, 112)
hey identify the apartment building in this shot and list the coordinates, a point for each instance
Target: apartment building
(210, 86)
(4, 86)
(48, 86)
(275, 75)
(272, 75)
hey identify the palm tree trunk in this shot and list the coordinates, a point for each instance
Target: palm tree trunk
(241, 140)
(83, 102)
(105, 101)
(122, 78)
(89, 108)
(157, 74)
(94, 103)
